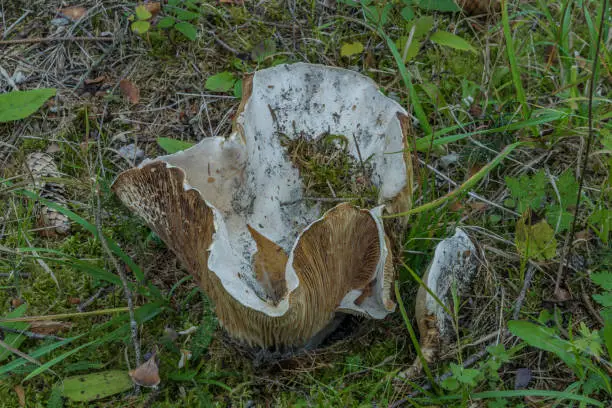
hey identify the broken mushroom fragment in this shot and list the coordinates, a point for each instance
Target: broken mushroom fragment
(452, 269)
(277, 263)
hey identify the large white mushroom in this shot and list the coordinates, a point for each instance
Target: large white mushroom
(234, 209)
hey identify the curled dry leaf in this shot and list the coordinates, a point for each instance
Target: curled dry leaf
(49, 326)
(20, 394)
(73, 13)
(153, 7)
(147, 374)
(130, 91)
(277, 264)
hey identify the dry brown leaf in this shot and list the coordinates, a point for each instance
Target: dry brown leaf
(455, 206)
(129, 90)
(20, 394)
(49, 326)
(562, 295)
(74, 300)
(153, 7)
(16, 302)
(73, 13)
(478, 206)
(147, 374)
(96, 80)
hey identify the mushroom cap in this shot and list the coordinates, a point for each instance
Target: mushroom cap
(233, 209)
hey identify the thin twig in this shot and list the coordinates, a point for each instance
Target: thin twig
(567, 246)
(521, 298)
(30, 334)
(81, 307)
(222, 43)
(19, 20)
(126, 289)
(19, 353)
(53, 39)
(24, 275)
(586, 299)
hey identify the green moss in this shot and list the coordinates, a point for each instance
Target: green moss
(328, 171)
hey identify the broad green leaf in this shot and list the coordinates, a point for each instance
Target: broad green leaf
(91, 387)
(187, 29)
(349, 49)
(221, 82)
(17, 105)
(451, 40)
(422, 26)
(140, 27)
(543, 338)
(606, 332)
(166, 22)
(185, 15)
(173, 145)
(535, 241)
(55, 399)
(568, 188)
(14, 339)
(238, 89)
(413, 48)
(407, 13)
(556, 214)
(603, 280)
(529, 192)
(439, 5)
(142, 13)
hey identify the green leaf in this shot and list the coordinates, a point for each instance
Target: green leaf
(142, 13)
(185, 15)
(451, 40)
(535, 241)
(17, 105)
(238, 88)
(55, 399)
(413, 48)
(603, 280)
(166, 22)
(221, 82)
(173, 145)
(407, 13)
(556, 214)
(349, 49)
(13, 339)
(439, 5)
(529, 192)
(91, 387)
(140, 27)
(422, 26)
(543, 338)
(606, 332)
(187, 29)
(568, 189)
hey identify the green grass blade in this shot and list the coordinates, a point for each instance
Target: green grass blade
(549, 116)
(514, 68)
(91, 229)
(413, 338)
(471, 182)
